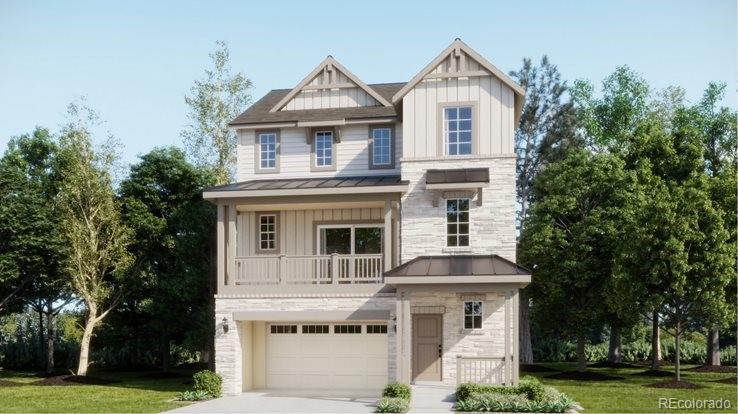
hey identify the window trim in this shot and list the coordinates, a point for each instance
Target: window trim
(353, 225)
(257, 151)
(481, 315)
(257, 227)
(313, 133)
(393, 141)
(441, 147)
(445, 213)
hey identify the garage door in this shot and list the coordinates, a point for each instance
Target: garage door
(326, 355)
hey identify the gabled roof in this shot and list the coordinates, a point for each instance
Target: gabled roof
(329, 64)
(259, 112)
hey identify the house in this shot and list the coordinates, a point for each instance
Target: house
(370, 236)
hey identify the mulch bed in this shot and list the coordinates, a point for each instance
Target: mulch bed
(655, 373)
(163, 375)
(73, 380)
(535, 368)
(606, 364)
(6, 383)
(714, 368)
(729, 380)
(674, 384)
(584, 376)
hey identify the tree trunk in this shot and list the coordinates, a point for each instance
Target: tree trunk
(84, 345)
(50, 336)
(581, 357)
(613, 354)
(713, 347)
(677, 339)
(655, 343)
(526, 346)
(41, 342)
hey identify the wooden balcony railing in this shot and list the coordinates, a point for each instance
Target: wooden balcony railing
(481, 370)
(306, 270)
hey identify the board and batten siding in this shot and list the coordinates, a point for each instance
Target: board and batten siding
(352, 154)
(297, 228)
(330, 98)
(494, 122)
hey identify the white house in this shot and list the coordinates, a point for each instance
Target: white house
(371, 234)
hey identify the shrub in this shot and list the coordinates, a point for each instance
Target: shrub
(397, 390)
(193, 396)
(727, 355)
(208, 382)
(393, 405)
(469, 389)
(497, 402)
(531, 388)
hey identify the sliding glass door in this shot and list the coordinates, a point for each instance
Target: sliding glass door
(350, 238)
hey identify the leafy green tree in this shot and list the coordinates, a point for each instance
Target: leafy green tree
(569, 238)
(214, 101)
(91, 224)
(29, 184)
(545, 133)
(172, 227)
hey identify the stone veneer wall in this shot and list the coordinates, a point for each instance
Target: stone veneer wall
(492, 225)
(228, 356)
(488, 341)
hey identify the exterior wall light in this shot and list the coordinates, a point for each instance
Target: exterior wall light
(225, 325)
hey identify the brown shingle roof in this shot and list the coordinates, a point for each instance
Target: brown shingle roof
(259, 112)
(458, 265)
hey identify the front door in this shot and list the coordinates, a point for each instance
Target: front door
(427, 347)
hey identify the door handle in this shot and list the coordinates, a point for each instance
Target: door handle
(440, 350)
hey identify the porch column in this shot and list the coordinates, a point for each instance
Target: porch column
(231, 248)
(516, 337)
(220, 247)
(387, 259)
(508, 333)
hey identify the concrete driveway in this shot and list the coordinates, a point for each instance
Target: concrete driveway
(302, 401)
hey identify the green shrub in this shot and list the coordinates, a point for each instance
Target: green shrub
(727, 355)
(499, 402)
(397, 390)
(208, 382)
(469, 389)
(193, 396)
(531, 388)
(393, 405)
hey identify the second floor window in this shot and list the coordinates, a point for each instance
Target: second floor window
(268, 232)
(381, 154)
(268, 151)
(457, 130)
(457, 222)
(323, 149)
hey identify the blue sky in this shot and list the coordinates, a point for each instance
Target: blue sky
(135, 60)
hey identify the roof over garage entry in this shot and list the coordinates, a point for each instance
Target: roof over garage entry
(458, 269)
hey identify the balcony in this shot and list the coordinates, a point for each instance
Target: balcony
(334, 269)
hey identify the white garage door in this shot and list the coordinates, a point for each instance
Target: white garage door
(326, 355)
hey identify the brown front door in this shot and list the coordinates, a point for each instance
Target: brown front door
(427, 347)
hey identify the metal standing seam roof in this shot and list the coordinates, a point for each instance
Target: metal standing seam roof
(457, 175)
(309, 183)
(259, 112)
(458, 265)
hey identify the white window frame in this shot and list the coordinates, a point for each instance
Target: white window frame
(458, 223)
(260, 233)
(353, 228)
(329, 136)
(390, 128)
(272, 152)
(481, 315)
(446, 132)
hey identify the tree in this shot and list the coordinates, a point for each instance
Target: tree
(172, 226)
(569, 238)
(91, 224)
(545, 133)
(29, 183)
(214, 101)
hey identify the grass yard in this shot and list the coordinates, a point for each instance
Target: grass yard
(628, 395)
(131, 392)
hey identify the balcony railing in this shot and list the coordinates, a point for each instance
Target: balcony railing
(309, 270)
(481, 370)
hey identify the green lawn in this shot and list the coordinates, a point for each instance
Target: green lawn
(628, 395)
(131, 394)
